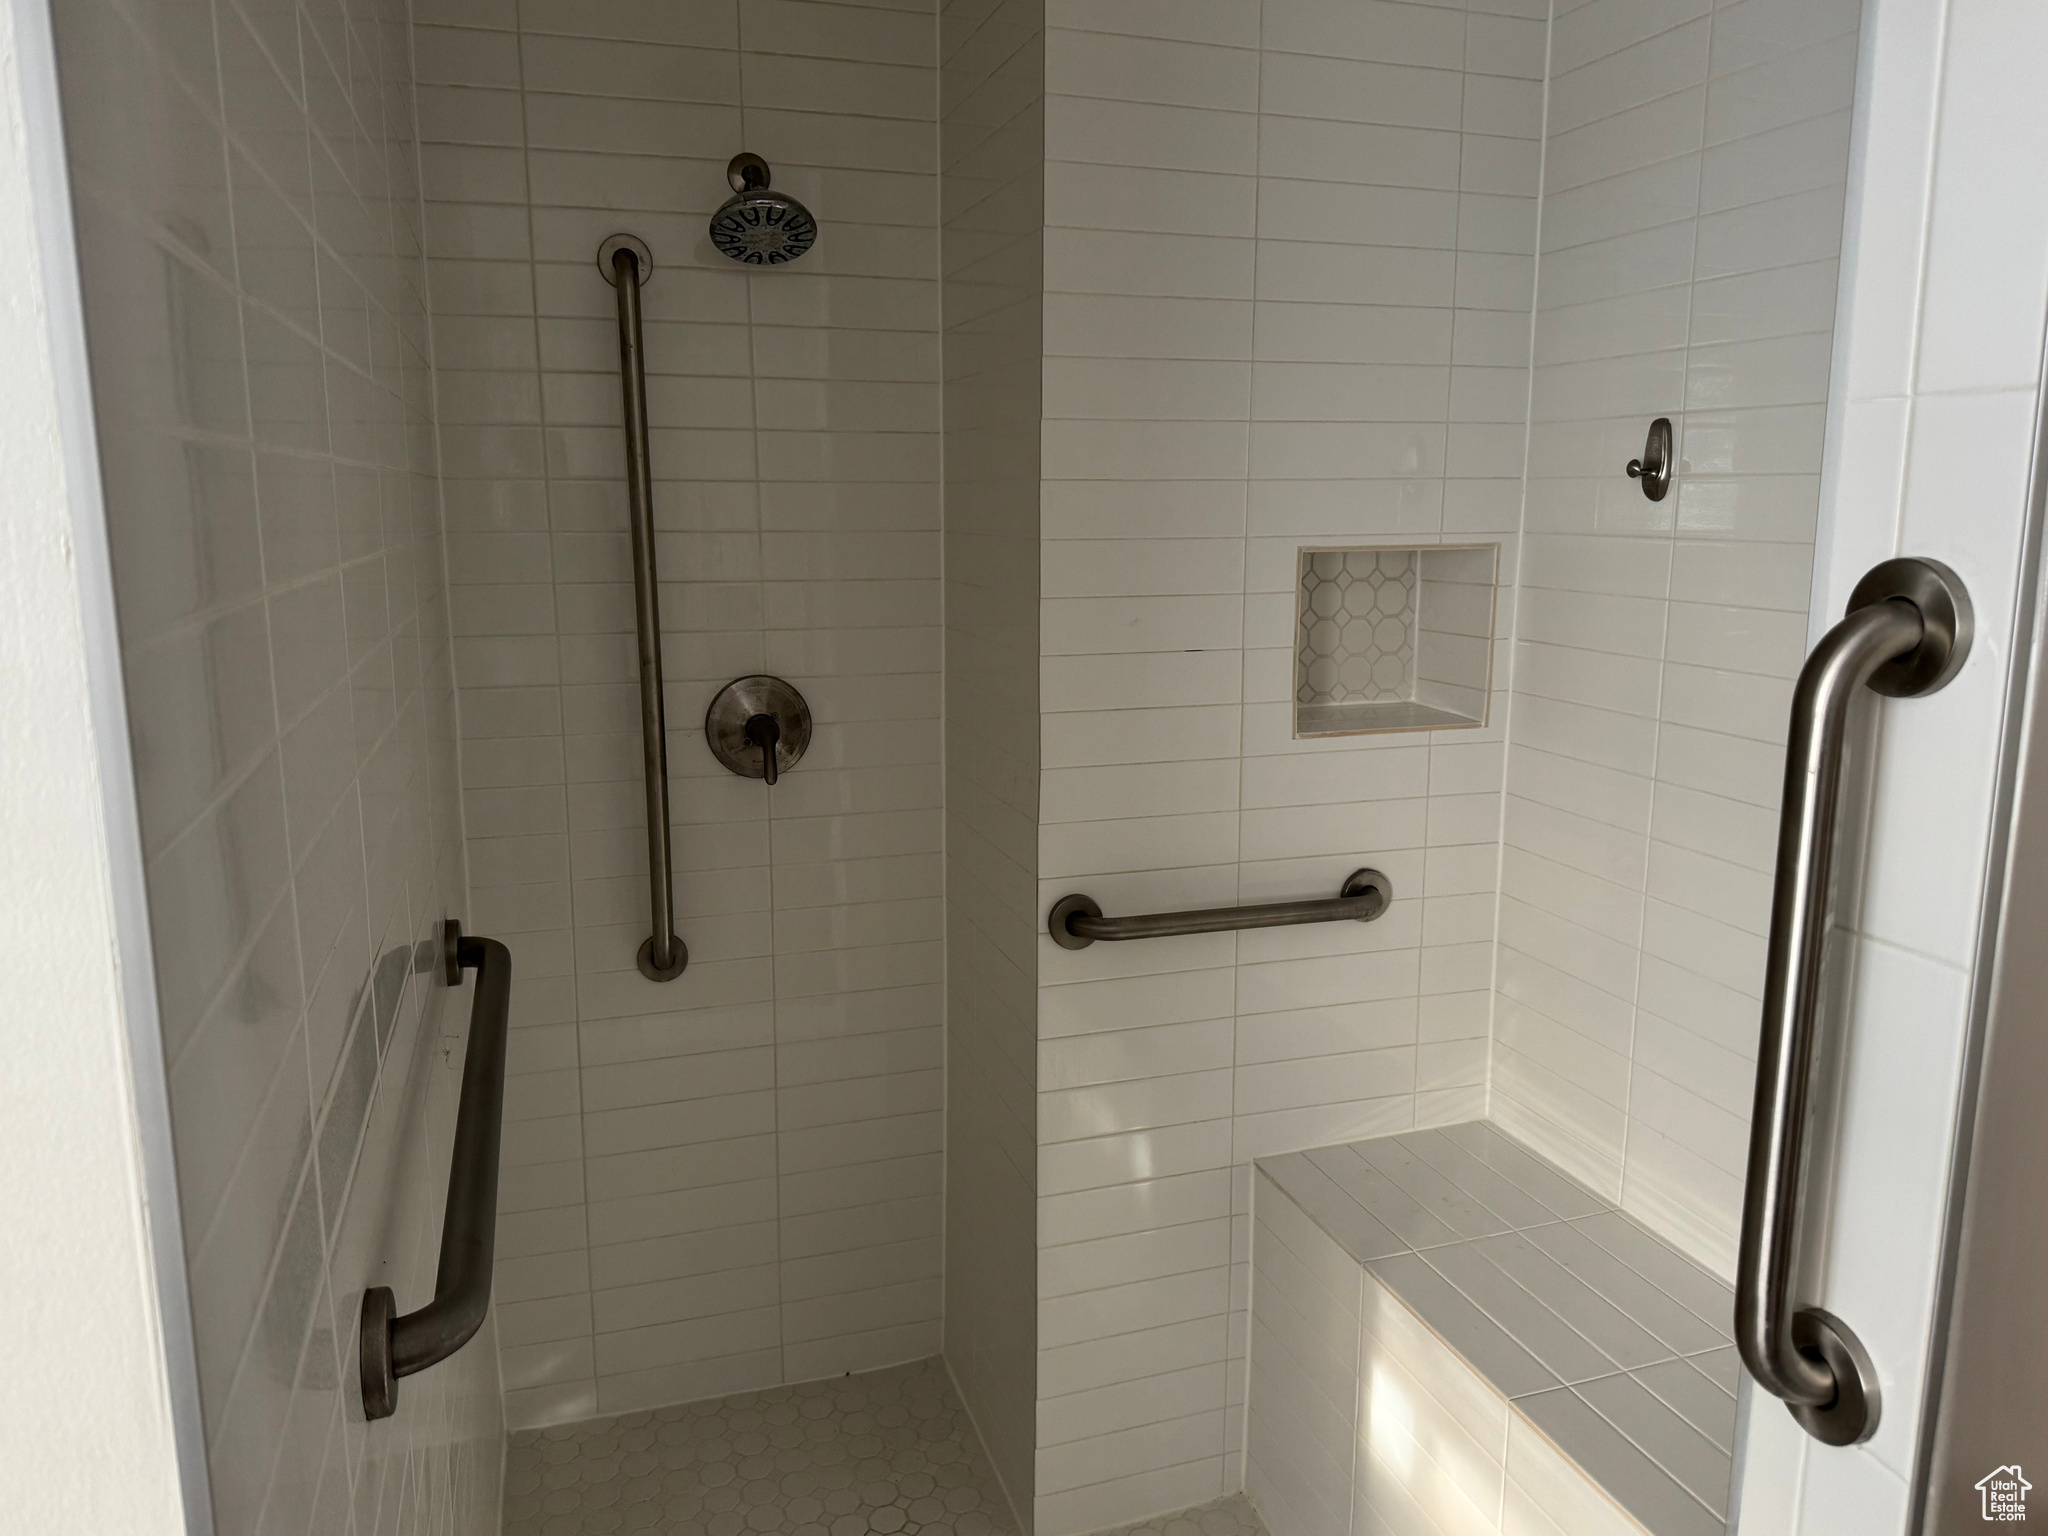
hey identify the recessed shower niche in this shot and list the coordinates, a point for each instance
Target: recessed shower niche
(1393, 639)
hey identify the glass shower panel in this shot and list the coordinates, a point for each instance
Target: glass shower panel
(1693, 200)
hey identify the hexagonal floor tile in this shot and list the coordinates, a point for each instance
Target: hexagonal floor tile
(890, 1452)
(1231, 1515)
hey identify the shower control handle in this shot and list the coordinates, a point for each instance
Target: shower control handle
(759, 727)
(764, 731)
(1906, 632)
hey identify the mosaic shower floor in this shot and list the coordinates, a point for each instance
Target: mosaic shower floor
(1231, 1515)
(890, 1452)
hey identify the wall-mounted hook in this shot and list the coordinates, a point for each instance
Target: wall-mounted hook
(1653, 469)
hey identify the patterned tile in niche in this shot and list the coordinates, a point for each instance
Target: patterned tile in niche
(888, 1451)
(1357, 626)
(1231, 1515)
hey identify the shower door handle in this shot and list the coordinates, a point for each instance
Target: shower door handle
(1906, 633)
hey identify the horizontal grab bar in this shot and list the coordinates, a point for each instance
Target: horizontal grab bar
(394, 1346)
(1076, 921)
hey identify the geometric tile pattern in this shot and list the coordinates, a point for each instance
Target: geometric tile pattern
(890, 1452)
(1231, 1515)
(1357, 623)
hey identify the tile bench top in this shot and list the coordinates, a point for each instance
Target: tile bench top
(1608, 1340)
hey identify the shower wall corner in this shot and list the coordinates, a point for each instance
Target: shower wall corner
(991, 193)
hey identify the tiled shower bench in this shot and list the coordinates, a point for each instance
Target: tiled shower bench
(1450, 1336)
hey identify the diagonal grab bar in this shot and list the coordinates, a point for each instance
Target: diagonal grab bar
(392, 1346)
(1076, 921)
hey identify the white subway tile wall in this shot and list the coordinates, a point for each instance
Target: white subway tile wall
(1289, 257)
(992, 200)
(246, 186)
(733, 1179)
(1694, 175)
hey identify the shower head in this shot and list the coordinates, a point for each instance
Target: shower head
(756, 226)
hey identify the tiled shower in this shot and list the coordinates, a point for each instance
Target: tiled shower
(734, 1178)
(1132, 326)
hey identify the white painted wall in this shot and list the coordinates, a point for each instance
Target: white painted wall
(99, 1366)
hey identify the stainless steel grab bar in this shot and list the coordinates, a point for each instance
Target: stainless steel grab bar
(1906, 632)
(626, 264)
(1076, 921)
(391, 1346)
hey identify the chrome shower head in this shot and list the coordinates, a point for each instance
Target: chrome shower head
(756, 226)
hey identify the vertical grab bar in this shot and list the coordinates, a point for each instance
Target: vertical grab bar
(391, 1346)
(626, 264)
(1906, 633)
